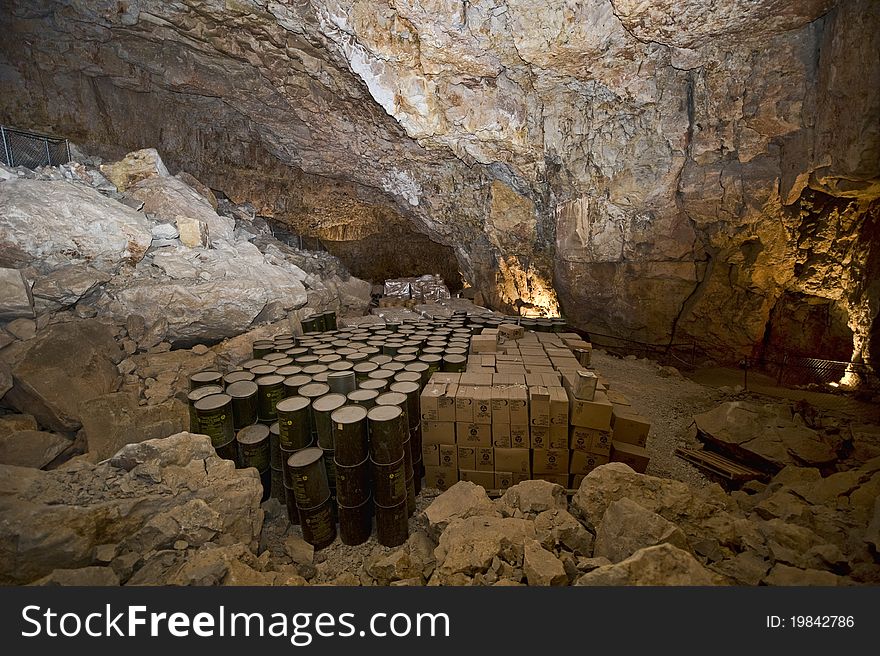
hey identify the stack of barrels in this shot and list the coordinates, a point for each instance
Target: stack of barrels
(331, 420)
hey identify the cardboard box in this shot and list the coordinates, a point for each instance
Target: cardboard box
(559, 479)
(519, 478)
(444, 377)
(484, 344)
(507, 379)
(518, 405)
(500, 409)
(464, 404)
(509, 331)
(431, 455)
(429, 401)
(438, 432)
(584, 463)
(467, 457)
(558, 437)
(591, 414)
(485, 458)
(482, 405)
(441, 478)
(446, 405)
(581, 384)
(552, 380)
(510, 369)
(630, 428)
(558, 406)
(487, 360)
(550, 461)
(476, 379)
(484, 478)
(513, 460)
(590, 440)
(448, 454)
(539, 437)
(520, 436)
(635, 456)
(503, 480)
(539, 406)
(501, 435)
(469, 434)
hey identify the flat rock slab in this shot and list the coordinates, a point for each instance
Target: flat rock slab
(31, 448)
(762, 436)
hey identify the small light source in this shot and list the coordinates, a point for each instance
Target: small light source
(833, 385)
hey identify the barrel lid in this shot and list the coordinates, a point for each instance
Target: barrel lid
(418, 367)
(391, 398)
(394, 366)
(341, 365)
(314, 390)
(329, 402)
(212, 402)
(263, 342)
(407, 377)
(329, 357)
(237, 375)
(292, 404)
(384, 412)
(306, 359)
(206, 376)
(242, 389)
(454, 358)
(365, 367)
(297, 350)
(320, 378)
(405, 387)
(264, 370)
(263, 381)
(305, 457)
(298, 380)
(256, 362)
(430, 357)
(374, 384)
(288, 370)
(362, 395)
(340, 375)
(275, 429)
(349, 414)
(313, 369)
(381, 359)
(253, 434)
(285, 361)
(381, 374)
(271, 357)
(202, 392)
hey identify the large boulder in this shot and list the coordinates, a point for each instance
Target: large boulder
(663, 564)
(462, 500)
(627, 527)
(541, 567)
(47, 224)
(134, 167)
(113, 420)
(63, 366)
(15, 295)
(151, 494)
(468, 546)
(31, 448)
(532, 497)
(66, 285)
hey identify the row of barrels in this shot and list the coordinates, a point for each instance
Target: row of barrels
(340, 405)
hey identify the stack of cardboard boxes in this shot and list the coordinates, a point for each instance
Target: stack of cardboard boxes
(527, 407)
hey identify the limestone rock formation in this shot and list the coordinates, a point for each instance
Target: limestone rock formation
(661, 171)
(663, 564)
(127, 512)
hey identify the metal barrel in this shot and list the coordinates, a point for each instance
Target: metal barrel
(363, 397)
(330, 320)
(244, 402)
(411, 391)
(264, 370)
(313, 391)
(392, 524)
(293, 383)
(362, 370)
(285, 456)
(398, 400)
(238, 375)
(270, 392)
(195, 395)
(288, 370)
(355, 522)
(454, 363)
(374, 384)
(389, 481)
(294, 423)
(381, 374)
(311, 325)
(254, 447)
(421, 368)
(350, 434)
(262, 347)
(214, 416)
(317, 523)
(290, 502)
(408, 377)
(228, 451)
(274, 358)
(275, 445)
(308, 477)
(330, 468)
(203, 378)
(342, 382)
(388, 431)
(433, 362)
(278, 484)
(314, 369)
(322, 409)
(407, 459)
(381, 359)
(352, 482)
(418, 468)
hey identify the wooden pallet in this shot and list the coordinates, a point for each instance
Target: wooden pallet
(714, 463)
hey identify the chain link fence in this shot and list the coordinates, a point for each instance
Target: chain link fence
(31, 150)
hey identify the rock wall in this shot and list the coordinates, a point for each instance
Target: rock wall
(664, 171)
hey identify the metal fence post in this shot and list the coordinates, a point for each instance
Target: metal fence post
(9, 161)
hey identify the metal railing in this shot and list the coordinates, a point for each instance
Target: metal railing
(32, 150)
